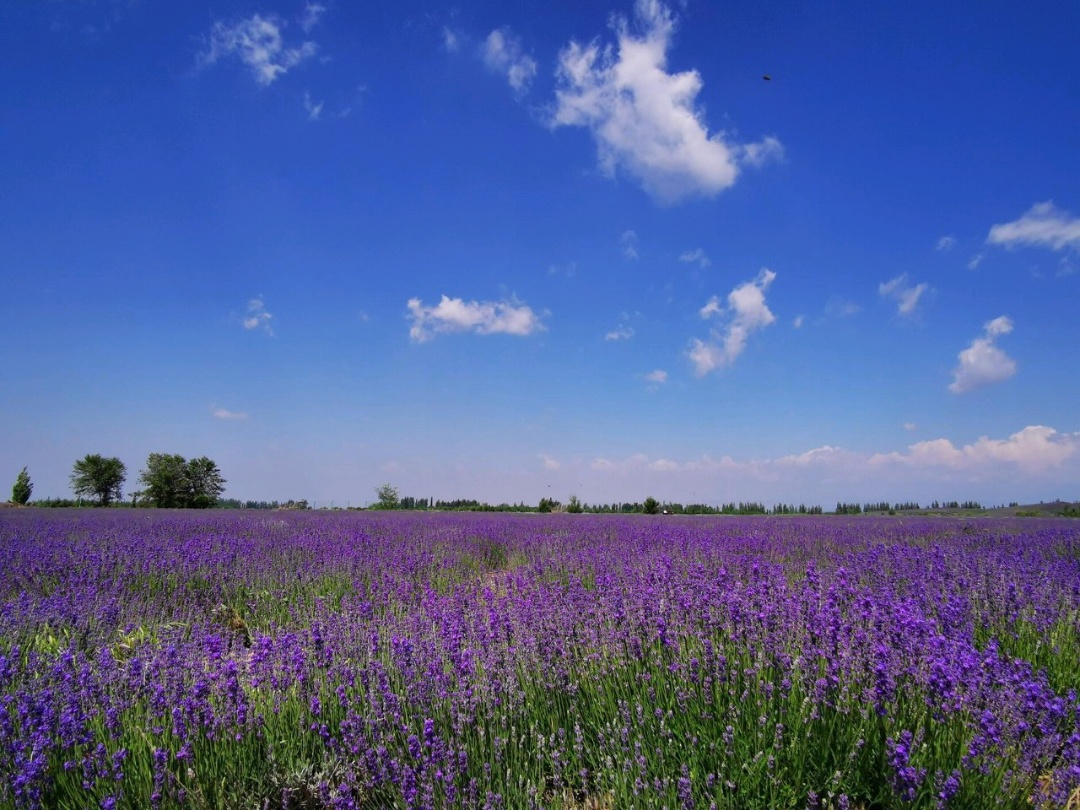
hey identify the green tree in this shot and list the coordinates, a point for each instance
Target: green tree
(652, 506)
(388, 497)
(165, 480)
(204, 483)
(574, 505)
(172, 482)
(20, 493)
(98, 477)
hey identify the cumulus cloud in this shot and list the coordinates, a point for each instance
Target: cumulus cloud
(946, 243)
(257, 316)
(696, 256)
(229, 416)
(503, 54)
(1036, 448)
(906, 296)
(657, 377)
(644, 120)
(1032, 450)
(746, 313)
(983, 363)
(621, 332)
(479, 317)
(258, 43)
(1043, 225)
(629, 241)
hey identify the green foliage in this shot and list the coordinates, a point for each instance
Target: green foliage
(548, 505)
(573, 506)
(171, 482)
(651, 505)
(98, 477)
(387, 496)
(20, 493)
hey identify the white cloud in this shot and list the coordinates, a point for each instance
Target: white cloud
(657, 377)
(798, 322)
(837, 307)
(229, 416)
(946, 243)
(480, 317)
(621, 332)
(451, 40)
(645, 120)
(696, 256)
(629, 242)
(312, 14)
(257, 316)
(502, 54)
(747, 314)
(1043, 225)
(975, 261)
(909, 426)
(314, 111)
(547, 462)
(905, 296)
(258, 43)
(982, 362)
(663, 465)
(1034, 449)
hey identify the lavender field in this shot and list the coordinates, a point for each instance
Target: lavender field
(360, 660)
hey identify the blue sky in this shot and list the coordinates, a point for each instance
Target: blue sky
(507, 251)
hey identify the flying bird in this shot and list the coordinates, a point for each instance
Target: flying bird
(767, 77)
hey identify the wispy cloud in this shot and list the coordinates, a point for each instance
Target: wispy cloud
(975, 261)
(257, 316)
(646, 121)
(839, 307)
(503, 54)
(547, 462)
(946, 243)
(258, 43)
(478, 317)
(1043, 225)
(451, 39)
(313, 12)
(906, 296)
(657, 377)
(696, 256)
(983, 363)
(798, 322)
(621, 332)
(629, 242)
(314, 110)
(229, 416)
(747, 313)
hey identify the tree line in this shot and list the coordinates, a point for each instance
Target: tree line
(169, 482)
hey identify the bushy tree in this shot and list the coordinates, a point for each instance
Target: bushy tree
(20, 493)
(387, 496)
(171, 482)
(98, 477)
(573, 506)
(165, 480)
(651, 505)
(205, 483)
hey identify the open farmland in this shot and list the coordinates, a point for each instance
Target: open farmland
(345, 660)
